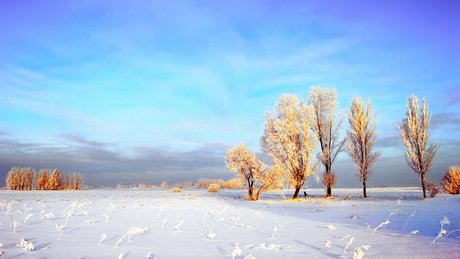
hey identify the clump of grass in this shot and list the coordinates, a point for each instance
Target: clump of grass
(213, 188)
(175, 189)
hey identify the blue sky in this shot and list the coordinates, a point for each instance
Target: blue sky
(145, 91)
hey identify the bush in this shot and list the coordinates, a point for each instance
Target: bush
(213, 187)
(451, 180)
(433, 188)
(175, 189)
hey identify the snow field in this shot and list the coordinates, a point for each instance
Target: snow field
(392, 223)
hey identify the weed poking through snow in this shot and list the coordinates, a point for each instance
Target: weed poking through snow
(134, 231)
(29, 246)
(350, 241)
(442, 232)
(387, 221)
(103, 238)
(236, 251)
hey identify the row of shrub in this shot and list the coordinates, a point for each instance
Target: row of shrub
(202, 184)
(20, 179)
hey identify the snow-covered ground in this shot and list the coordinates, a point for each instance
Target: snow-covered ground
(391, 223)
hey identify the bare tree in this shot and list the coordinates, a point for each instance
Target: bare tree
(254, 171)
(414, 132)
(361, 138)
(326, 125)
(289, 142)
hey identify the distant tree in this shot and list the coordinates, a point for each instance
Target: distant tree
(164, 185)
(12, 179)
(42, 180)
(249, 168)
(54, 182)
(451, 180)
(414, 132)
(29, 179)
(289, 142)
(361, 138)
(326, 124)
(76, 181)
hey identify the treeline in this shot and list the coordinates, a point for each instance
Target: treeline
(202, 184)
(302, 137)
(21, 179)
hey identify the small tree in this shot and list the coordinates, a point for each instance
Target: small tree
(361, 138)
(451, 180)
(289, 142)
(414, 132)
(254, 171)
(326, 127)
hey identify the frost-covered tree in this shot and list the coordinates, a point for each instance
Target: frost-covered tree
(42, 180)
(414, 132)
(54, 182)
(361, 138)
(289, 142)
(326, 124)
(451, 180)
(76, 182)
(29, 178)
(12, 179)
(252, 170)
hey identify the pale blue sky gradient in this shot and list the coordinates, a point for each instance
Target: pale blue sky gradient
(145, 91)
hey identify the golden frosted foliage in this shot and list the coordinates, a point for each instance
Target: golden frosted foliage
(414, 132)
(326, 123)
(451, 180)
(361, 138)
(213, 187)
(20, 178)
(250, 169)
(288, 141)
(42, 180)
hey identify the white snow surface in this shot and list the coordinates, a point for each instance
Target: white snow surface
(391, 223)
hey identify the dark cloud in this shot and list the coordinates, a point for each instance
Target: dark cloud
(83, 141)
(102, 164)
(389, 141)
(439, 120)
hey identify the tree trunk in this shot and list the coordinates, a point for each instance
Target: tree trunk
(422, 178)
(329, 191)
(296, 193)
(250, 193)
(364, 189)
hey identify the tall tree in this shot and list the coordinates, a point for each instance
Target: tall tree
(414, 132)
(254, 171)
(361, 138)
(326, 124)
(289, 142)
